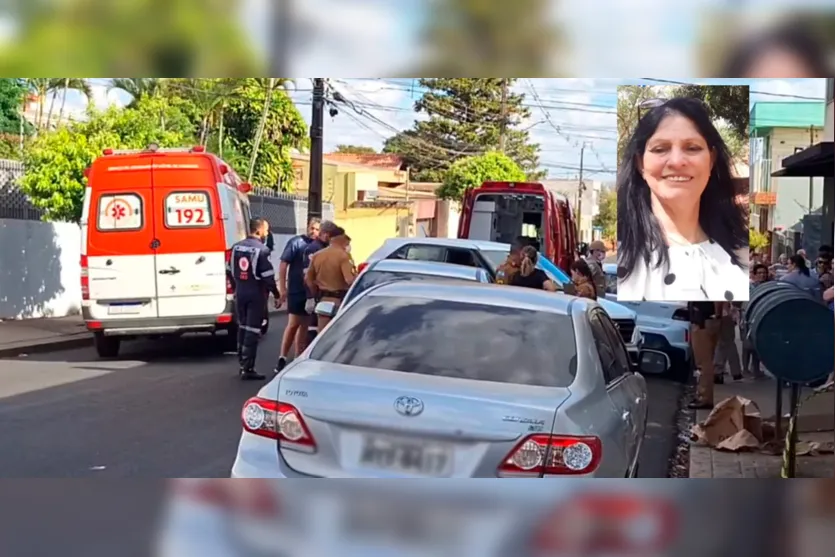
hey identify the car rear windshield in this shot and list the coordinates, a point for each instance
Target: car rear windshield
(373, 278)
(453, 339)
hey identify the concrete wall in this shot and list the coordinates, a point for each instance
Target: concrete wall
(40, 269)
(368, 228)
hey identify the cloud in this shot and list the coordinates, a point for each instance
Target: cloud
(76, 107)
(339, 34)
(812, 88)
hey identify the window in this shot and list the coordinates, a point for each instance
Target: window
(188, 209)
(119, 212)
(373, 278)
(461, 257)
(604, 348)
(623, 365)
(611, 283)
(453, 339)
(421, 253)
(495, 258)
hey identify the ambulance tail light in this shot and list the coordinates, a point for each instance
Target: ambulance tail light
(85, 278)
(229, 288)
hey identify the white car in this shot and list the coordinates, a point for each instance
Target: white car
(665, 327)
(489, 255)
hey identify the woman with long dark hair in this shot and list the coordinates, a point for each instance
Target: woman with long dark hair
(682, 236)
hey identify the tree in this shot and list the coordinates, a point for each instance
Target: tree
(465, 118)
(141, 37)
(489, 38)
(629, 99)
(471, 172)
(607, 216)
(284, 129)
(356, 150)
(55, 162)
(12, 96)
(728, 102)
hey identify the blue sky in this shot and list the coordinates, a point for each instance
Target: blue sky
(582, 109)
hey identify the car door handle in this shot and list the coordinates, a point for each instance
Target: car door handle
(201, 259)
(171, 271)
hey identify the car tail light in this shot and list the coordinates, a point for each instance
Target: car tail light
(608, 524)
(362, 266)
(681, 315)
(85, 278)
(230, 289)
(251, 497)
(538, 455)
(277, 420)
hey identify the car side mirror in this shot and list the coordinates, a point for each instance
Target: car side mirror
(326, 309)
(653, 362)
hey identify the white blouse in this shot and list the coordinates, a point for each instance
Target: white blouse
(696, 272)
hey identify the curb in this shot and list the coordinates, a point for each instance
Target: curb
(74, 341)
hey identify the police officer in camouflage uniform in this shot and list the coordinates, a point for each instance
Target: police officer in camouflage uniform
(253, 277)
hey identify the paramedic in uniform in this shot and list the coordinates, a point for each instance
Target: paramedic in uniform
(331, 272)
(253, 277)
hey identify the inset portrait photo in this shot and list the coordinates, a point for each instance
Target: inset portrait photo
(682, 185)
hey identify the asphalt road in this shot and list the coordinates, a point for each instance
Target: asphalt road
(168, 409)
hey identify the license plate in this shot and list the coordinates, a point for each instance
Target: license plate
(407, 525)
(404, 455)
(124, 309)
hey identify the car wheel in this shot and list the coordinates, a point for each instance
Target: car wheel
(106, 347)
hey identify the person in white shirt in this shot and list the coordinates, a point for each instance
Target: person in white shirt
(682, 235)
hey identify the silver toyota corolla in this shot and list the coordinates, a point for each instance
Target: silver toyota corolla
(422, 379)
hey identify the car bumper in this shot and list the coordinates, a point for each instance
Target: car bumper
(160, 325)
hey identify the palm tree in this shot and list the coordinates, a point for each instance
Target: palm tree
(138, 87)
(65, 84)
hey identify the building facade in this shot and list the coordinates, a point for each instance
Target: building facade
(786, 207)
(588, 203)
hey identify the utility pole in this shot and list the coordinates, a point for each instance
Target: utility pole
(503, 133)
(811, 178)
(580, 189)
(314, 190)
(261, 125)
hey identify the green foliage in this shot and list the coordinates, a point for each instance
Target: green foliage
(356, 150)
(55, 162)
(12, 91)
(285, 129)
(131, 37)
(464, 119)
(757, 240)
(607, 217)
(471, 172)
(489, 38)
(629, 98)
(728, 102)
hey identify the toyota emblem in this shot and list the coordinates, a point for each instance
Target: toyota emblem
(408, 406)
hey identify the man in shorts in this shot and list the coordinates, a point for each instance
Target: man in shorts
(294, 261)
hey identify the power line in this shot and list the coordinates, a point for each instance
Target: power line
(752, 91)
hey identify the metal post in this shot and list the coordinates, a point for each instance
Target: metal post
(791, 471)
(503, 133)
(580, 195)
(778, 422)
(314, 190)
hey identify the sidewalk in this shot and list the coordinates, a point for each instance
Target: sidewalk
(816, 422)
(29, 336)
